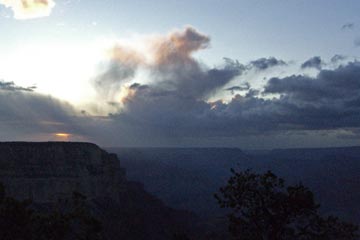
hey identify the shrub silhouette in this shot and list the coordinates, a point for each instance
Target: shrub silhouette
(19, 221)
(263, 208)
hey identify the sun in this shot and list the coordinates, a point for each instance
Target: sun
(60, 70)
(63, 136)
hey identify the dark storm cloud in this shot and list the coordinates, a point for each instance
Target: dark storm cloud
(171, 98)
(174, 100)
(11, 86)
(176, 105)
(156, 112)
(314, 62)
(26, 113)
(199, 83)
(234, 89)
(329, 101)
(348, 26)
(137, 86)
(265, 63)
(341, 83)
(164, 94)
(252, 93)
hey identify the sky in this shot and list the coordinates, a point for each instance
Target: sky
(253, 74)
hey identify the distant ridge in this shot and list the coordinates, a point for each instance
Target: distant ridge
(317, 148)
(188, 177)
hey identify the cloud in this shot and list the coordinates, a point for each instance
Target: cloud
(11, 86)
(314, 62)
(166, 94)
(160, 114)
(27, 9)
(329, 85)
(158, 93)
(169, 65)
(178, 46)
(234, 89)
(24, 113)
(338, 58)
(265, 63)
(348, 26)
(329, 101)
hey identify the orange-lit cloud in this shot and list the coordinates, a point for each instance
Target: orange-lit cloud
(148, 59)
(126, 55)
(26, 9)
(179, 45)
(175, 47)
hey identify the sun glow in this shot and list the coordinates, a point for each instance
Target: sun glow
(63, 136)
(61, 70)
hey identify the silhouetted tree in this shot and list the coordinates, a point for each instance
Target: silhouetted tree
(263, 208)
(19, 221)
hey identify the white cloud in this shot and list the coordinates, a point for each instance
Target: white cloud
(26, 9)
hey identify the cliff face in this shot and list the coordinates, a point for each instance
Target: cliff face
(46, 172)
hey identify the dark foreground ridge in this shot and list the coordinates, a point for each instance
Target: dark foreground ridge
(47, 172)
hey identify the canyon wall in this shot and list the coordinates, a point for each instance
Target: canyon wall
(46, 172)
